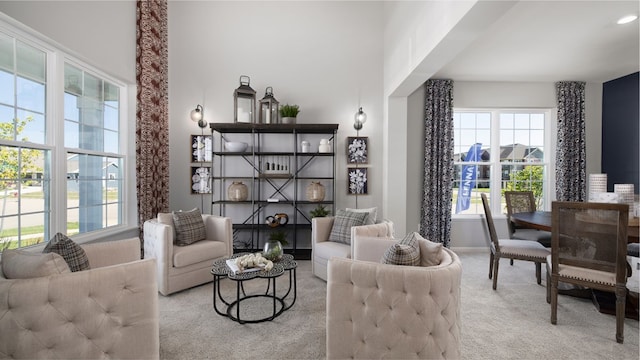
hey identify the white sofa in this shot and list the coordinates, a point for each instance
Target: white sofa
(183, 267)
(322, 249)
(378, 311)
(108, 311)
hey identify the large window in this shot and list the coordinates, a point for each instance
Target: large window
(56, 133)
(496, 151)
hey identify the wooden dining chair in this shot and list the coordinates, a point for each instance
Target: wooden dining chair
(511, 249)
(524, 201)
(589, 248)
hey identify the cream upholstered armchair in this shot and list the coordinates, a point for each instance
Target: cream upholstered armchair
(108, 311)
(183, 267)
(322, 249)
(377, 310)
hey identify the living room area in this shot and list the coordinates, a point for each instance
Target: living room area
(335, 59)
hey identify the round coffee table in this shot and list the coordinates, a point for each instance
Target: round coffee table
(220, 270)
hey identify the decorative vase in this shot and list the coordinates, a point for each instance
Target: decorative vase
(237, 191)
(315, 191)
(288, 120)
(324, 146)
(272, 250)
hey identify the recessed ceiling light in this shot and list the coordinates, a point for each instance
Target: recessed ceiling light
(627, 19)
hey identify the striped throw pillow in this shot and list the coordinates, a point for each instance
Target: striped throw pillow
(71, 252)
(342, 223)
(405, 252)
(189, 227)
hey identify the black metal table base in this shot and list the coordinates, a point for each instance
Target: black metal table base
(232, 310)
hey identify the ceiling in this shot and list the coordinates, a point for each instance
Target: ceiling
(551, 41)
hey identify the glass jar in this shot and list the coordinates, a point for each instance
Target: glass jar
(272, 250)
(237, 191)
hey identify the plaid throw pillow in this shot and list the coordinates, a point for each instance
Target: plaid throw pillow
(71, 252)
(189, 227)
(342, 223)
(405, 252)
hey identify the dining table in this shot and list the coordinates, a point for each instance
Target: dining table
(541, 220)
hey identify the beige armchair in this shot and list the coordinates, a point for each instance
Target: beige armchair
(109, 311)
(322, 249)
(183, 267)
(377, 311)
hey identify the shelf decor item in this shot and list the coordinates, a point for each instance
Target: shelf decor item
(244, 102)
(315, 191)
(319, 211)
(237, 191)
(324, 146)
(288, 113)
(269, 108)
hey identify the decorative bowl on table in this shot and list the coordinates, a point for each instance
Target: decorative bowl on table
(235, 146)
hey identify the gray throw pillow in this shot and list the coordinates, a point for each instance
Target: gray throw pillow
(405, 252)
(72, 253)
(189, 227)
(342, 223)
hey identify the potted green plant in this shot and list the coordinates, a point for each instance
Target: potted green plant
(288, 113)
(319, 211)
(273, 247)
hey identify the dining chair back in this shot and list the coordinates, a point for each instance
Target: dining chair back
(511, 249)
(524, 201)
(589, 248)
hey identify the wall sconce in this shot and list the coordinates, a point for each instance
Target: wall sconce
(360, 118)
(244, 102)
(196, 116)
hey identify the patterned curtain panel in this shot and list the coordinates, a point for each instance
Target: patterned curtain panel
(152, 120)
(570, 151)
(435, 223)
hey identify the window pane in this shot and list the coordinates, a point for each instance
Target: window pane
(524, 178)
(6, 52)
(483, 121)
(111, 118)
(31, 127)
(71, 111)
(537, 121)
(506, 121)
(89, 189)
(72, 79)
(31, 62)
(71, 134)
(72, 217)
(6, 89)
(481, 185)
(30, 95)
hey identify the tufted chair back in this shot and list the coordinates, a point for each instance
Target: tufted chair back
(393, 312)
(109, 311)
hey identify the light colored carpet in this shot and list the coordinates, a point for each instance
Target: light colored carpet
(510, 323)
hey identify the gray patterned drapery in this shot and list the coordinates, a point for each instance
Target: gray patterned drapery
(435, 223)
(152, 119)
(571, 149)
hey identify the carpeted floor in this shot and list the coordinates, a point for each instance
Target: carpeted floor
(510, 323)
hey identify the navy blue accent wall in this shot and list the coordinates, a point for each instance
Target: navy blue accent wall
(620, 130)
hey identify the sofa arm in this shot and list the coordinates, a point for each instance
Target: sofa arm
(370, 248)
(321, 229)
(107, 312)
(219, 228)
(158, 244)
(107, 253)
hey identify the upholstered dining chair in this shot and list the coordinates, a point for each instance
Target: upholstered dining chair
(524, 201)
(511, 249)
(589, 248)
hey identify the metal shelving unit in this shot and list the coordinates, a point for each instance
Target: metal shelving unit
(271, 141)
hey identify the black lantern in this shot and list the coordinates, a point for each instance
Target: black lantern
(269, 108)
(244, 102)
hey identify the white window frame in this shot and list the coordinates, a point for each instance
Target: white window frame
(496, 166)
(56, 56)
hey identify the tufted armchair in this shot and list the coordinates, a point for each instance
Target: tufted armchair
(109, 311)
(322, 249)
(376, 310)
(182, 267)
